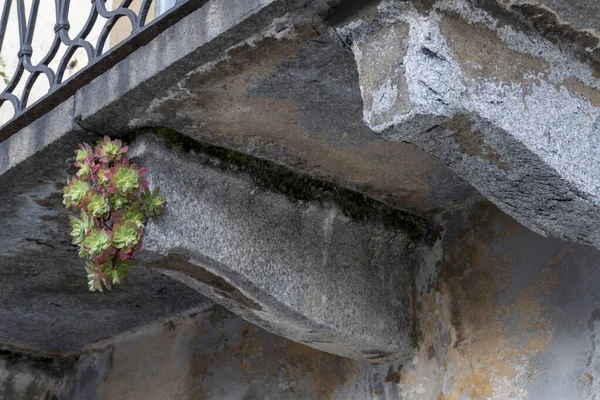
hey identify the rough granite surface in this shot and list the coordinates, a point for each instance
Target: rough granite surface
(507, 110)
(301, 269)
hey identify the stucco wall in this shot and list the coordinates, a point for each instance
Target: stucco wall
(510, 315)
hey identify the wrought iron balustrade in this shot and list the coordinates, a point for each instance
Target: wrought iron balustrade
(52, 63)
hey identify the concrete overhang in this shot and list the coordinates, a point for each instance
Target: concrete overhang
(322, 257)
(488, 107)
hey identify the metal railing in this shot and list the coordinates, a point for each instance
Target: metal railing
(52, 66)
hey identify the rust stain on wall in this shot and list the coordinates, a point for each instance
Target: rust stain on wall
(471, 141)
(287, 361)
(466, 317)
(482, 54)
(578, 87)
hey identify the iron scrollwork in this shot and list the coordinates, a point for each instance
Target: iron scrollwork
(142, 31)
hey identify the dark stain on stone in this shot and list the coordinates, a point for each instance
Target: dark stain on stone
(431, 352)
(594, 316)
(580, 88)
(171, 325)
(531, 16)
(545, 21)
(180, 262)
(432, 54)
(53, 374)
(376, 355)
(393, 377)
(346, 11)
(482, 54)
(52, 202)
(40, 242)
(375, 351)
(50, 396)
(471, 141)
(465, 271)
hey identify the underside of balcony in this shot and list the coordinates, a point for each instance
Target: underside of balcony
(390, 199)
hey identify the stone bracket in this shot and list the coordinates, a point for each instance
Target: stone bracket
(507, 110)
(300, 269)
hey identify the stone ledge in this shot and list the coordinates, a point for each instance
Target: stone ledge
(300, 269)
(508, 111)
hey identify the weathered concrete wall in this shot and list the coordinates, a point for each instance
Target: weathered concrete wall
(198, 355)
(216, 355)
(505, 313)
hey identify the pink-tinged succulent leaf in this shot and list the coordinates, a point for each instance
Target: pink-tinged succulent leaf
(126, 254)
(104, 256)
(96, 277)
(153, 203)
(118, 201)
(97, 241)
(86, 169)
(134, 216)
(126, 180)
(104, 177)
(82, 251)
(81, 227)
(94, 169)
(98, 206)
(110, 150)
(125, 235)
(83, 154)
(86, 200)
(75, 192)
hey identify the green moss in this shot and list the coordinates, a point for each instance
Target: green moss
(296, 185)
(57, 366)
(415, 331)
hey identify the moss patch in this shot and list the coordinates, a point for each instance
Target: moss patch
(296, 185)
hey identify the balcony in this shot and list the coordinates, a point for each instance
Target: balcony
(366, 199)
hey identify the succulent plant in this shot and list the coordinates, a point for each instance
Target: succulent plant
(134, 216)
(81, 227)
(97, 206)
(114, 204)
(96, 242)
(75, 192)
(117, 201)
(126, 180)
(126, 236)
(153, 203)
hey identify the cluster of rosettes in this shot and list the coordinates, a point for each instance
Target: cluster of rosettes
(115, 203)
